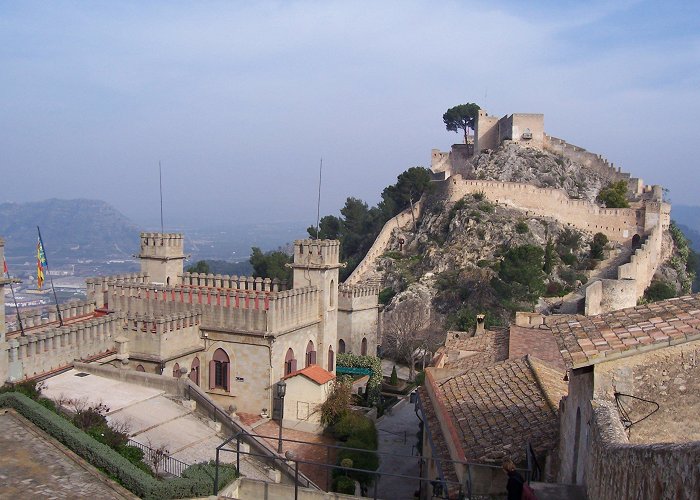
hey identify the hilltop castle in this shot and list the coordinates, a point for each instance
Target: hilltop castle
(234, 336)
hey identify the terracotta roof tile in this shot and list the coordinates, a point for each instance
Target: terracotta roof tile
(315, 373)
(588, 340)
(477, 351)
(497, 410)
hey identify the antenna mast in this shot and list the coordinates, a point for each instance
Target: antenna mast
(318, 207)
(160, 182)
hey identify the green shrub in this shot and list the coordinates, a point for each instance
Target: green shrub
(486, 207)
(420, 378)
(479, 195)
(343, 484)
(568, 258)
(394, 379)
(394, 255)
(521, 227)
(659, 290)
(386, 295)
(366, 460)
(598, 245)
(373, 363)
(614, 195)
(357, 427)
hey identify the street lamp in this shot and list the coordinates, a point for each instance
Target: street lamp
(281, 391)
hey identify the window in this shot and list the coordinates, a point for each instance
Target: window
(310, 354)
(140, 368)
(332, 294)
(290, 364)
(363, 348)
(341, 346)
(331, 359)
(176, 370)
(219, 368)
(194, 371)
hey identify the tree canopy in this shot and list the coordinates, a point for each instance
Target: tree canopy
(201, 267)
(461, 117)
(520, 275)
(271, 265)
(614, 195)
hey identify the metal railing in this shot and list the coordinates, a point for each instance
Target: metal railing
(442, 488)
(268, 455)
(158, 460)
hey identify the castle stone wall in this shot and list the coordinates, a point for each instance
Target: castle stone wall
(618, 224)
(618, 470)
(485, 132)
(54, 348)
(380, 243)
(34, 320)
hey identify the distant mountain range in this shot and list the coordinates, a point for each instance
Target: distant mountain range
(71, 229)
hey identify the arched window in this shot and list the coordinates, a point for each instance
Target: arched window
(176, 370)
(140, 368)
(341, 346)
(331, 359)
(331, 294)
(290, 364)
(219, 370)
(310, 354)
(194, 371)
(363, 346)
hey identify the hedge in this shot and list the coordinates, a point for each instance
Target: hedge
(197, 480)
(373, 363)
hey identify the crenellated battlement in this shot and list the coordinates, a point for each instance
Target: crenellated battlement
(246, 283)
(316, 253)
(355, 297)
(227, 308)
(41, 318)
(57, 347)
(154, 240)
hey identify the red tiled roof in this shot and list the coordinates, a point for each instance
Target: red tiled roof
(315, 373)
(589, 340)
(477, 351)
(539, 342)
(497, 410)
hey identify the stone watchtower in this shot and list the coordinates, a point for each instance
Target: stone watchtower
(316, 263)
(162, 257)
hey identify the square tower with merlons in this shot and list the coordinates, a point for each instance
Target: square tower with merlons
(162, 257)
(316, 263)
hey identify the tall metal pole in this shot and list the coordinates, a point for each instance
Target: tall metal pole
(43, 249)
(160, 184)
(318, 207)
(279, 445)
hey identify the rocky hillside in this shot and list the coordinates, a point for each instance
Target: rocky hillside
(71, 229)
(512, 163)
(474, 256)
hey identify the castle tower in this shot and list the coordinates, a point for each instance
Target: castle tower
(316, 263)
(162, 257)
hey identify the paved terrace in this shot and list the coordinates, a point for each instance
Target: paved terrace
(34, 465)
(154, 419)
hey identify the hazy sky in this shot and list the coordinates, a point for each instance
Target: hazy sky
(240, 100)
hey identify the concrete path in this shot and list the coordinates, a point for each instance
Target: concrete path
(397, 435)
(153, 418)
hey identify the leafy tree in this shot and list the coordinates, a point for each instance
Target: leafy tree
(271, 265)
(408, 189)
(659, 290)
(200, 267)
(329, 228)
(520, 275)
(614, 195)
(462, 117)
(550, 257)
(337, 404)
(598, 245)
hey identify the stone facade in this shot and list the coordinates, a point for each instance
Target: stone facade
(234, 336)
(526, 129)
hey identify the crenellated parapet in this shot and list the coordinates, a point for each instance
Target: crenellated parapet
(316, 253)
(244, 283)
(58, 346)
(41, 318)
(160, 244)
(355, 297)
(160, 337)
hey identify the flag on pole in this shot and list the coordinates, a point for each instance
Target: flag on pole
(4, 267)
(40, 263)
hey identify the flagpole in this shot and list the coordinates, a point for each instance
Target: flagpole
(19, 318)
(43, 249)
